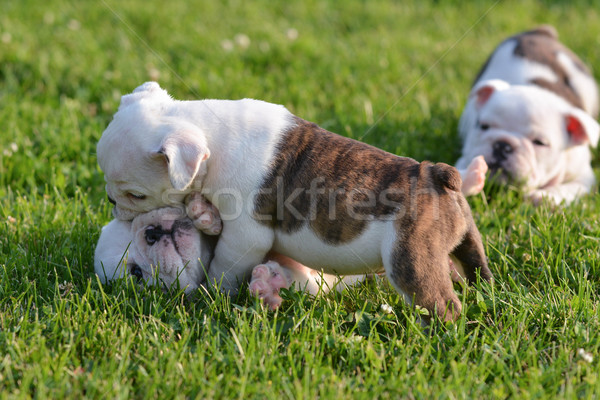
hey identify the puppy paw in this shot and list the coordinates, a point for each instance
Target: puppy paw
(205, 216)
(267, 280)
(541, 196)
(474, 176)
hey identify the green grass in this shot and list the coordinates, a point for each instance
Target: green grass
(394, 74)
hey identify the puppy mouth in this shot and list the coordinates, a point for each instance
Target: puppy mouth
(136, 271)
(498, 174)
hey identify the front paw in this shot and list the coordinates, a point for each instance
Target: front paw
(205, 216)
(540, 196)
(267, 280)
(474, 176)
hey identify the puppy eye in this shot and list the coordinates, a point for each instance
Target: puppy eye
(484, 127)
(539, 142)
(136, 196)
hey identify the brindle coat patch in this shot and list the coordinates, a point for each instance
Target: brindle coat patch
(431, 217)
(334, 184)
(541, 45)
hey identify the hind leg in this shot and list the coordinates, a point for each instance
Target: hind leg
(423, 278)
(469, 257)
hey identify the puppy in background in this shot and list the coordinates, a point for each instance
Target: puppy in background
(531, 115)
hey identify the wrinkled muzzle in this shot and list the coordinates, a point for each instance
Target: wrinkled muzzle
(169, 248)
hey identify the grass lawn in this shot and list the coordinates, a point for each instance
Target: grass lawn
(393, 74)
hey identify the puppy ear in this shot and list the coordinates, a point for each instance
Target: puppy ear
(484, 90)
(581, 128)
(144, 90)
(184, 153)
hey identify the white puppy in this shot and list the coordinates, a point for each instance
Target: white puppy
(163, 248)
(286, 185)
(531, 115)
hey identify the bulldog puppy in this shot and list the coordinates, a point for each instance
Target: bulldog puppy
(284, 184)
(163, 244)
(161, 247)
(531, 114)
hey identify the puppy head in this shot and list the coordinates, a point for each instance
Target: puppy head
(523, 132)
(159, 247)
(150, 153)
(113, 256)
(149, 93)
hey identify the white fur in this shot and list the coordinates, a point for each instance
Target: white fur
(358, 256)
(112, 250)
(583, 84)
(240, 137)
(117, 252)
(519, 113)
(121, 247)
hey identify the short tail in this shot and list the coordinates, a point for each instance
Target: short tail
(547, 30)
(447, 176)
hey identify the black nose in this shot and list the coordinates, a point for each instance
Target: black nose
(111, 201)
(501, 150)
(153, 234)
(136, 271)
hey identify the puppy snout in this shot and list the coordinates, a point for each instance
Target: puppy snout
(501, 150)
(111, 200)
(153, 234)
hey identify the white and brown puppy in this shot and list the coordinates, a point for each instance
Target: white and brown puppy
(161, 247)
(284, 184)
(531, 115)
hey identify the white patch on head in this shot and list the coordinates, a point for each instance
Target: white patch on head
(137, 178)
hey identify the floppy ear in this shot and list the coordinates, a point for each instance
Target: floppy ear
(581, 128)
(484, 90)
(184, 152)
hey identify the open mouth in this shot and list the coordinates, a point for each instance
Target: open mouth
(135, 271)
